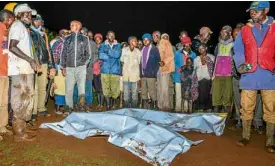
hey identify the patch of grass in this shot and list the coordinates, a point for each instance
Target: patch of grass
(35, 154)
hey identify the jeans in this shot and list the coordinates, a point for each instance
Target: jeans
(130, 90)
(75, 75)
(88, 93)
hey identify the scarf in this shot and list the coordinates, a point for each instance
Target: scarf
(38, 30)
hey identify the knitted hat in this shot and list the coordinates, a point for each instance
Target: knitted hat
(98, 35)
(186, 40)
(148, 36)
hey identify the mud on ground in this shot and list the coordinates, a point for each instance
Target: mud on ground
(55, 149)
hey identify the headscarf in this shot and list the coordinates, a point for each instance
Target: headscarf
(148, 36)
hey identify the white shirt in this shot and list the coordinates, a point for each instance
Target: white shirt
(16, 65)
(202, 70)
(131, 60)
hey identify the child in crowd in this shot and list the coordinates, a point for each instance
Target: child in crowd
(58, 90)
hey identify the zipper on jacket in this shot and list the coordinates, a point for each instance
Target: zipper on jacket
(75, 49)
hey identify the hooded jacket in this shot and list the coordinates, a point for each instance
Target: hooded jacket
(110, 57)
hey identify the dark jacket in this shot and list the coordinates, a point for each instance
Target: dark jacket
(94, 58)
(76, 51)
(40, 47)
(152, 65)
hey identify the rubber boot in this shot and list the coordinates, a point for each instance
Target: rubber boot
(270, 129)
(121, 100)
(108, 103)
(190, 106)
(20, 135)
(101, 103)
(245, 134)
(10, 111)
(155, 104)
(134, 104)
(185, 106)
(144, 103)
(81, 104)
(114, 103)
(98, 101)
(217, 109)
(126, 104)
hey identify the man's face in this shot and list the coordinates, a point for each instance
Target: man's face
(225, 34)
(182, 35)
(166, 37)
(10, 21)
(186, 47)
(202, 50)
(140, 44)
(257, 15)
(98, 40)
(111, 37)
(75, 27)
(37, 23)
(134, 42)
(146, 42)
(156, 37)
(235, 33)
(27, 18)
(206, 37)
(91, 35)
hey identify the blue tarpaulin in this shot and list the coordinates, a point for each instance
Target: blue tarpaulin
(151, 135)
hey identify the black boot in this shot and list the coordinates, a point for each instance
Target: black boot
(126, 104)
(108, 103)
(10, 111)
(144, 104)
(114, 103)
(217, 109)
(98, 101)
(155, 104)
(134, 104)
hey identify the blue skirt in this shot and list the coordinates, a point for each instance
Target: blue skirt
(59, 100)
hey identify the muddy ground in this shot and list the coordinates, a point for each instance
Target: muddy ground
(53, 148)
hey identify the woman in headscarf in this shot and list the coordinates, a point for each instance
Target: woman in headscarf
(167, 66)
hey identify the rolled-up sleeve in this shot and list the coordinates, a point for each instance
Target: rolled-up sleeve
(239, 56)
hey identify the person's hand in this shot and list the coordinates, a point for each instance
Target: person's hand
(35, 66)
(242, 69)
(161, 64)
(54, 85)
(213, 77)
(64, 72)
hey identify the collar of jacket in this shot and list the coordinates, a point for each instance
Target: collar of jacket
(269, 20)
(230, 40)
(38, 30)
(106, 42)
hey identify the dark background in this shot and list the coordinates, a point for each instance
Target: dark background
(136, 18)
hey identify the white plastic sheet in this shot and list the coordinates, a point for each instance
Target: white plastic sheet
(148, 134)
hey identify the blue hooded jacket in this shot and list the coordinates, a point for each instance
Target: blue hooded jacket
(110, 57)
(179, 63)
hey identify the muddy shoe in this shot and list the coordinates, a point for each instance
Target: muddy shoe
(19, 127)
(45, 114)
(270, 149)
(24, 138)
(243, 142)
(5, 131)
(1, 139)
(260, 130)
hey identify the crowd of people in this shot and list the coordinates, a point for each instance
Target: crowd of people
(149, 72)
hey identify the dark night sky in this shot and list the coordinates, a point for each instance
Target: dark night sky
(136, 18)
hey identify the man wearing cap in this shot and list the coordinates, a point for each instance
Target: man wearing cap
(109, 54)
(21, 70)
(91, 35)
(97, 76)
(222, 76)
(130, 60)
(203, 37)
(6, 19)
(255, 59)
(43, 56)
(182, 35)
(75, 57)
(180, 60)
(150, 66)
